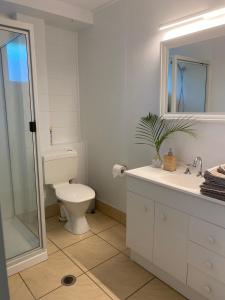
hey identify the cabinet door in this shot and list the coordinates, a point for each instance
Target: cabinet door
(170, 246)
(140, 225)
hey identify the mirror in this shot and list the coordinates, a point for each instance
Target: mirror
(193, 76)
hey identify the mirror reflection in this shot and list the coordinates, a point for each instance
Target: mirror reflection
(196, 77)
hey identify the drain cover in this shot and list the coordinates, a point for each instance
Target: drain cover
(68, 280)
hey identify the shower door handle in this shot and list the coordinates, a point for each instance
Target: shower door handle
(32, 126)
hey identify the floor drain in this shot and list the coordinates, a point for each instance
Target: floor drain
(68, 280)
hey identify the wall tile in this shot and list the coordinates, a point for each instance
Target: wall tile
(64, 135)
(62, 103)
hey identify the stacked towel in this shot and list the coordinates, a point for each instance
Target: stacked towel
(214, 185)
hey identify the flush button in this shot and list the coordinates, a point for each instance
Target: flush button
(209, 265)
(211, 240)
(207, 289)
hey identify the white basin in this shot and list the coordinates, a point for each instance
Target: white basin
(192, 182)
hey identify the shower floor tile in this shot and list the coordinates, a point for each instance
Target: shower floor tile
(19, 239)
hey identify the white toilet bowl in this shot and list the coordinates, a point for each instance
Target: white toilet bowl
(76, 199)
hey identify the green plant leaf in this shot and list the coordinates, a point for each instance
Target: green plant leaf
(153, 130)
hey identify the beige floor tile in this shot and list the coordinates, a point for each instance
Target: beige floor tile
(156, 290)
(18, 289)
(90, 252)
(126, 252)
(119, 276)
(84, 289)
(115, 236)
(99, 222)
(51, 248)
(63, 238)
(52, 223)
(47, 275)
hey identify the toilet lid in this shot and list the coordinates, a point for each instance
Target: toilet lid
(74, 193)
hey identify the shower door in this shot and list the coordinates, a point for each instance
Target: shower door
(19, 179)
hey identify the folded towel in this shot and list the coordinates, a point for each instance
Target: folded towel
(212, 189)
(213, 195)
(221, 169)
(214, 185)
(215, 177)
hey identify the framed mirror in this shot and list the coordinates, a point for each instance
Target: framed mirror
(193, 75)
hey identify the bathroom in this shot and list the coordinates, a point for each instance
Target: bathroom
(95, 68)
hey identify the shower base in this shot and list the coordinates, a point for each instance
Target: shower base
(18, 234)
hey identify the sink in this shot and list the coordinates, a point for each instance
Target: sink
(182, 180)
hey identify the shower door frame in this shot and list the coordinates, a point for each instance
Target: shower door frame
(39, 254)
(187, 59)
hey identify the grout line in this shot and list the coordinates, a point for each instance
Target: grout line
(73, 262)
(141, 287)
(58, 287)
(26, 285)
(88, 237)
(72, 243)
(101, 263)
(99, 286)
(112, 245)
(110, 227)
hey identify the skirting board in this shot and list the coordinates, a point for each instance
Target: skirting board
(52, 210)
(112, 212)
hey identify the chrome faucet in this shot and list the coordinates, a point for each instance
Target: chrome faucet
(198, 160)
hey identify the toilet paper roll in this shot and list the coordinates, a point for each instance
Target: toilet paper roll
(118, 170)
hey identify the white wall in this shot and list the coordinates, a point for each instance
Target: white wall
(58, 93)
(119, 63)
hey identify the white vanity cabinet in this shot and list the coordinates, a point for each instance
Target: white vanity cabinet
(170, 241)
(178, 235)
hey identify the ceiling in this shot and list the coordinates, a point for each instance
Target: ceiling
(88, 4)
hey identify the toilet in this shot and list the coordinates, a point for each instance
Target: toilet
(59, 169)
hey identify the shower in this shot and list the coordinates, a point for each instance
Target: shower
(21, 199)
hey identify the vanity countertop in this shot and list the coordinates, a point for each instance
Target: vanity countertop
(189, 184)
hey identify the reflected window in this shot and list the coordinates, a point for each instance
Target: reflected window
(17, 62)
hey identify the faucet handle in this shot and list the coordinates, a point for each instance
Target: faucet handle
(200, 174)
(188, 170)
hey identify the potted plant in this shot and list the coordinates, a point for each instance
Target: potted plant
(153, 130)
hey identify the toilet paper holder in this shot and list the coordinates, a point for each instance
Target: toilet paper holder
(119, 170)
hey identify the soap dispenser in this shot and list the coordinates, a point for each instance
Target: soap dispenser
(169, 161)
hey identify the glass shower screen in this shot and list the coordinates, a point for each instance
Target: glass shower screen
(18, 192)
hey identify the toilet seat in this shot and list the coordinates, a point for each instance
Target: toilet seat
(73, 193)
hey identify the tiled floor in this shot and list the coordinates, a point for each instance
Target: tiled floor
(99, 260)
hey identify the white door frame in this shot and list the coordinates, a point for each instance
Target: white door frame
(19, 263)
(4, 291)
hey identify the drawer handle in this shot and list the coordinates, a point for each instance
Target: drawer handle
(207, 289)
(209, 264)
(211, 240)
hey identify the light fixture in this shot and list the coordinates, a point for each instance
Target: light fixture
(194, 23)
(202, 16)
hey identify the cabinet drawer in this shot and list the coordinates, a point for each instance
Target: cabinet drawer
(140, 225)
(208, 235)
(207, 261)
(205, 284)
